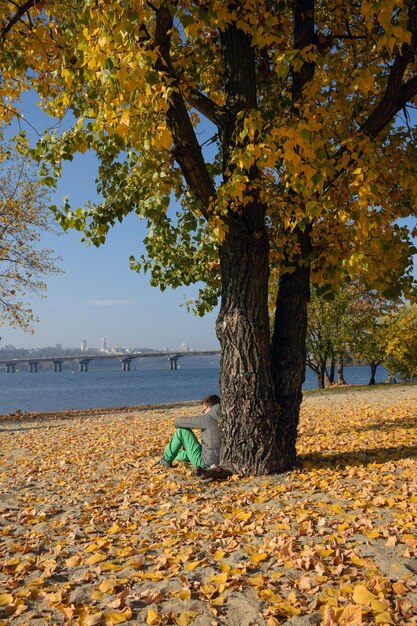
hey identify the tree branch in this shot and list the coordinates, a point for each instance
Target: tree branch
(18, 15)
(303, 36)
(187, 150)
(349, 37)
(409, 90)
(212, 111)
(396, 94)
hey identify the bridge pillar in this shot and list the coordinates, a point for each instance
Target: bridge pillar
(33, 366)
(10, 368)
(84, 364)
(173, 362)
(58, 366)
(126, 364)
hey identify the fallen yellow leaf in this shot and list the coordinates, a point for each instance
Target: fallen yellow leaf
(117, 617)
(153, 617)
(97, 557)
(93, 619)
(182, 594)
(351, 615)
(108, 585)
(5, 599)
(259, 557)
(361, 595)
(185, 618)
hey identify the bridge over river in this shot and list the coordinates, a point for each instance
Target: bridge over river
(83, 360)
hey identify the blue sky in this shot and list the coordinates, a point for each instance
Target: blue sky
(99, 295)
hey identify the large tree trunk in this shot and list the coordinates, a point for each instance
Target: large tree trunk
(288, 350)
(249, 410)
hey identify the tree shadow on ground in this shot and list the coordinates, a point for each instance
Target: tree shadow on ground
(356, 457)
(389, 425)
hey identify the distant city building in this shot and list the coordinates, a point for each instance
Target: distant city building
(58, 347)
(84, 345)
(103, 346)
(184, 347)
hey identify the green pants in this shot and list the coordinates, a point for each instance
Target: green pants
(184, 446)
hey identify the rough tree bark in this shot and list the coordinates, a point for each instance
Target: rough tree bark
(288, 347)
(250, 412)
(248, 404)
(288, 351)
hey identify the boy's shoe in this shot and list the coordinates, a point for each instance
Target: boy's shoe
(164, 462)
(216, 472)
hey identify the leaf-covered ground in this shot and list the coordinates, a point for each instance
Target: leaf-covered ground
(93, 531)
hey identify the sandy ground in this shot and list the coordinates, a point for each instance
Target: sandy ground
(94, 531)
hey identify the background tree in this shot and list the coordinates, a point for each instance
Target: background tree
(368, 323)
(353, 320)
(24, 216)
(301, 148)
(402, 343)
(327, 337)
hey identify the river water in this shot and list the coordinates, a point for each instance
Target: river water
(150, 383)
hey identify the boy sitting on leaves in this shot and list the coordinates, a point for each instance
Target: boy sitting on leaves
(184, 445)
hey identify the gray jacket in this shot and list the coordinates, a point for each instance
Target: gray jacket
(210, 433)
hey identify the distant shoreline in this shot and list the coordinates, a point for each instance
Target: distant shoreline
(386, 389)
(70, 413)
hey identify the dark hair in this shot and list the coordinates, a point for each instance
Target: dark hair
(211, 400)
